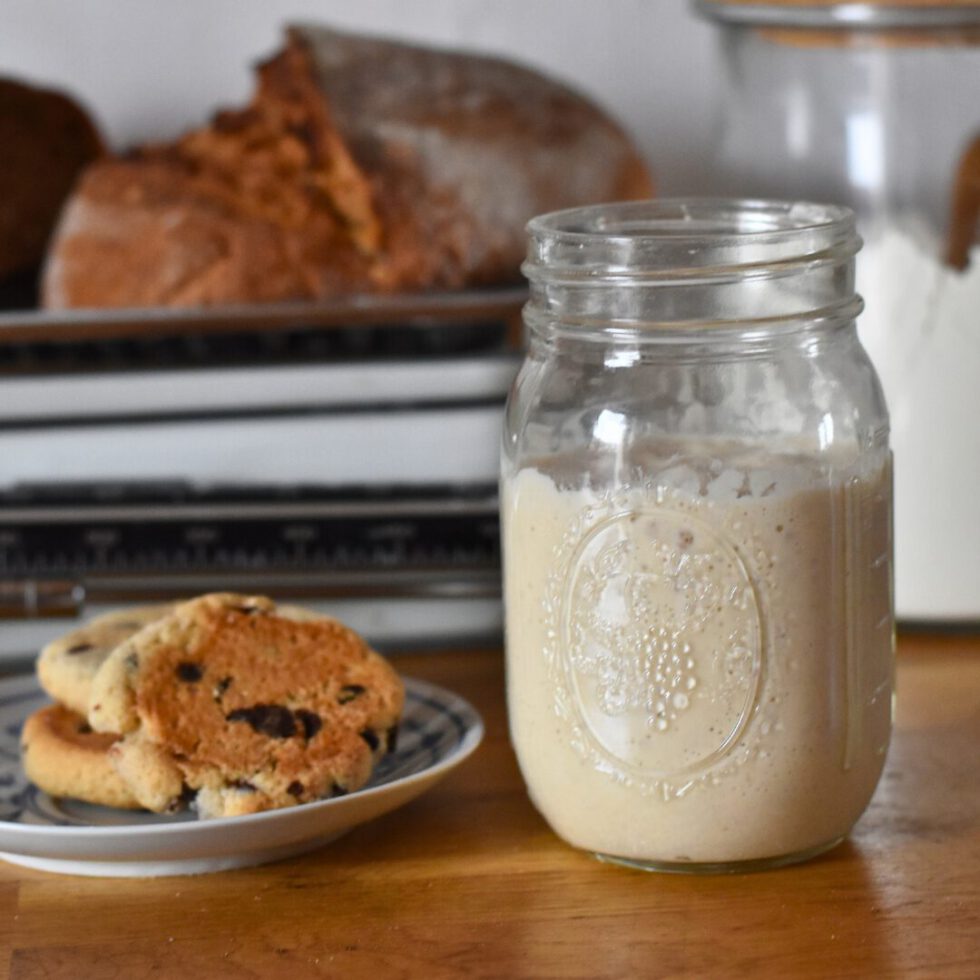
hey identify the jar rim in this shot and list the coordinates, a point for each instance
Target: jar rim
(736, 220)
(882, 15)
(681, 239)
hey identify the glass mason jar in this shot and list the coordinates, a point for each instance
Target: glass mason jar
(877, 106)
(696, 522)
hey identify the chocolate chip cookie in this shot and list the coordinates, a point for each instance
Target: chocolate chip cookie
(240, 706)
(62, 755)
(66, 666)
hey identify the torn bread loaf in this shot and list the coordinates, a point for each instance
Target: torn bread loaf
(360, 165)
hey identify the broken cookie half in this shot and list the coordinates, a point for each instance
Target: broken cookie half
(234, 705)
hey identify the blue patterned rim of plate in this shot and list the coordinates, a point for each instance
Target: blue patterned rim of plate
(434, 726)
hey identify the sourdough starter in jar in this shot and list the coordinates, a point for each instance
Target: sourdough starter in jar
(700, 662)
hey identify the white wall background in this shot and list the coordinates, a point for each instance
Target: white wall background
(150, 68)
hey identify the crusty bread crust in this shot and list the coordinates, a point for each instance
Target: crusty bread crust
(361, 165)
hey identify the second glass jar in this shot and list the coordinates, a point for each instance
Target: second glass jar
(696, 513)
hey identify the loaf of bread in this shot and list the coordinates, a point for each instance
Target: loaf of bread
(46, 139)
(360, 165)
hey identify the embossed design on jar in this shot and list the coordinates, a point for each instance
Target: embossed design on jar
(660, 647)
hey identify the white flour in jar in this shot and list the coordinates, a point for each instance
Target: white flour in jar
(921, 328)
(701, 670)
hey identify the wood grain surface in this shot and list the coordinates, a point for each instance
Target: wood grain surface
(468, 881)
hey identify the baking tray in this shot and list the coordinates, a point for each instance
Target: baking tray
(403, 325)
(415, 310)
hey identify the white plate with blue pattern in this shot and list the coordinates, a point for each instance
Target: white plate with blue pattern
(438, 731)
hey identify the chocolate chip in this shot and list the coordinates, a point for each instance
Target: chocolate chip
(189, 672)
(371, 738)
(248, 610)
(84, 728)
(221, 687)
(181, 802)
(338, 790)
(350, 691)
(267, 719)
(243, 784)
(295, 788)
(310, 722)
(80, 648)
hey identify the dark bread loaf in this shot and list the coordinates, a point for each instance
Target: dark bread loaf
(361, 165)
(46, 139)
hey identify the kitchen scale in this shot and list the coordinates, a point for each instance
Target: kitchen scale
(342, 456)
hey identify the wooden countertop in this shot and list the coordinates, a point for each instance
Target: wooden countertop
(468, 881)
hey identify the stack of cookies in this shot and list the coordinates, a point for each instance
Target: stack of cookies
(226, 703)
